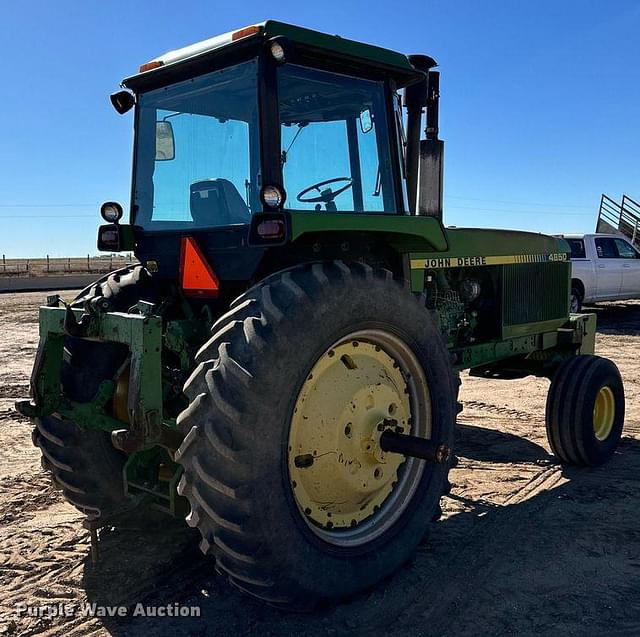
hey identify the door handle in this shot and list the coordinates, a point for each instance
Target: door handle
(601, 266)
(626, 265)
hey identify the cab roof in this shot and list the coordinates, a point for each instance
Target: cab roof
(395, 64)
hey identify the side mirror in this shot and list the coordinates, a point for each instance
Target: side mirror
(366, 121)
(165, 143)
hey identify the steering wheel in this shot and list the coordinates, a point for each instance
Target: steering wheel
(326, 195)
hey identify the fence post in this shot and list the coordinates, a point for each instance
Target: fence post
(4, 263)
(88, 265)
(48, 270)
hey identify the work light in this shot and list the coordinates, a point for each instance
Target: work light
(281, 49)
(278, 52)
(272, 196)
(111, 211)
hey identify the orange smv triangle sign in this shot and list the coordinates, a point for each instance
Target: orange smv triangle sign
(196, 276)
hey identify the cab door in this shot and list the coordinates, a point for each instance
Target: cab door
(608, 268)
(630, 259)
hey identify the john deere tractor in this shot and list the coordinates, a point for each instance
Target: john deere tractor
(282, 366)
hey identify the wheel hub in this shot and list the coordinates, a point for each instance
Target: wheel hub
(339, 474)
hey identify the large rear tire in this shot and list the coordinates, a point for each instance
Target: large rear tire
(84, 463)
(269, 402)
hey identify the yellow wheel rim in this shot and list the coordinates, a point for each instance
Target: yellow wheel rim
(347, 489)
(604, 411)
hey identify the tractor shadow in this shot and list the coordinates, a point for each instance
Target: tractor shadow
(522, 567)
(621, 317)
(483, 444)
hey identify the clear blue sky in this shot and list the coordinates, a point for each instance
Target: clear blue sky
(540, 102)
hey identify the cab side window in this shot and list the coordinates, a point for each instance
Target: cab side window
(606, 248)
(626, 250)
(335, 151)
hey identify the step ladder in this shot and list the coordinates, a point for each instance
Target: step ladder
(622, 218)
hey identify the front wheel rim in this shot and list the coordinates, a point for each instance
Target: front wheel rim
(347, 490)
(604, 412)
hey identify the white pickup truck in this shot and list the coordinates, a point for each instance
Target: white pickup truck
(605, 267)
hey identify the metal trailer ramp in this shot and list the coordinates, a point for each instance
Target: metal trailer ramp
(623, 217)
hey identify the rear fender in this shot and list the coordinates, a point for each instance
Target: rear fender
(402, 232)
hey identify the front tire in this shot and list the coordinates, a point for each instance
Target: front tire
(255, 381)
(585, 410)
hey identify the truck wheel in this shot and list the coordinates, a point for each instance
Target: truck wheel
(84, 464)
(282, 463)
(585, 410)
(576, 300)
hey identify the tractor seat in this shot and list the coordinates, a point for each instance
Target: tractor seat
(217, 202)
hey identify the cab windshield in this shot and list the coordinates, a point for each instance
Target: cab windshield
(198, 152)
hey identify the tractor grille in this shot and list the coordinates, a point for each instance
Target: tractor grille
(535, 292)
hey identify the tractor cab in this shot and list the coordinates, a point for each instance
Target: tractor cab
(237, 133)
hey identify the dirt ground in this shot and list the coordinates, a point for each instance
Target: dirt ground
(524, 546)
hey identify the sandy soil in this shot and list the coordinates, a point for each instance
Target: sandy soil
(524, 546)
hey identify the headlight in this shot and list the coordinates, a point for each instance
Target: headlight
(111, 211)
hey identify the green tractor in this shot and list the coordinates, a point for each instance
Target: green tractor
(282, 366)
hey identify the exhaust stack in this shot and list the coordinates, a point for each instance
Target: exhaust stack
(424, 157)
